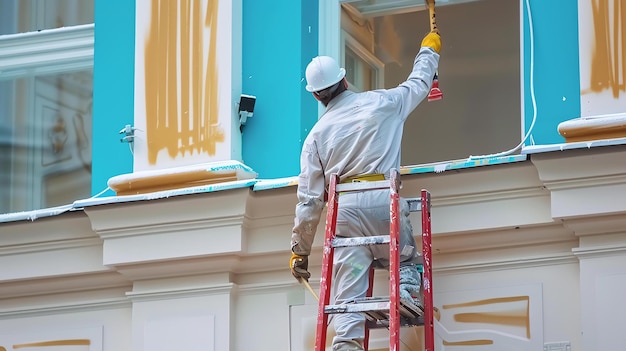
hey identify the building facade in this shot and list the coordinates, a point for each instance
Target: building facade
(177, 235)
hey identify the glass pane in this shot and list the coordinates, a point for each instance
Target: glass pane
(45, 140)
(359, 73)
(19, 16)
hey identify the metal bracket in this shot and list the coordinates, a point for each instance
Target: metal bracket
(415, 204)
(129, 134)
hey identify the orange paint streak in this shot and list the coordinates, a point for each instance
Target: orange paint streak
(608, 63)
(171, 71)
(503, 318)
(211, 113)
(185, 44)
(468, 343)
(69, 342)
(488, 301)
(181, 79)
(520, 318)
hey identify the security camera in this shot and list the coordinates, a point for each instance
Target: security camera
(246, 108)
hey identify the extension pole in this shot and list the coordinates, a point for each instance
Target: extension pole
(435, 93)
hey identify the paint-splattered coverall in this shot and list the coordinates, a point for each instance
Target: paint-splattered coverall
(359, 133)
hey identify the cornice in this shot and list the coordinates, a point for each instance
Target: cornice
(496, 195)
(71, 283)
(581, 167)
(56, 309)
(161, 294)
(190, 212)
(500, 238)
(600, 251)
(49, 246)
(504, 264)
(597, 225)
(585, 182)
(168, 227)
(68, 226)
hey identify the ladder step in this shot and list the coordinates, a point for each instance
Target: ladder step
(360, 186)
(376, 311)
(361, 241)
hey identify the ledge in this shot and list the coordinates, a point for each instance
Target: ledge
(150, 181)
(593, 128)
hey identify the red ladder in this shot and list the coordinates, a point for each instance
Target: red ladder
(387, 312)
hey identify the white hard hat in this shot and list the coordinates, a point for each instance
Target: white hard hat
(323, 72)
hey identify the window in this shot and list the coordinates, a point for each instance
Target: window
(479, 71)
(45, 102)
(364, 71)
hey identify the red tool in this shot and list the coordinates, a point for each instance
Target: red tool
(435, 93)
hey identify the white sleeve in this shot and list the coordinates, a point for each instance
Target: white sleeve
(311, 190)
(417, 86)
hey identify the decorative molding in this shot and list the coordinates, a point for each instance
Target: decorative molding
(51, 309)
(590, 181)
(162, 294)
(495, 195)
(46, 52)
(596, 225)
(270, 287)
(49, 246)
(600, 251)
(80, 284)
(177, 226)
(518, 263)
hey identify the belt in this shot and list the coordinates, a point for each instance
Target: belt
(364, 178)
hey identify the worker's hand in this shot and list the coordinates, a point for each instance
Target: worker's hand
(299, 267)
(433, 41)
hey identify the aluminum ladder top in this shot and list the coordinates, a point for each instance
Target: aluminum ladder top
(388, 312)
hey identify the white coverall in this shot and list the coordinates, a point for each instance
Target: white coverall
(358, 134)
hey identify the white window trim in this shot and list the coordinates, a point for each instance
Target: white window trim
(377, 65)
(46, 52)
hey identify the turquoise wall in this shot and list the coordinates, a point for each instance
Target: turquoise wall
(278, 42)
(113, 108)
(556, 72)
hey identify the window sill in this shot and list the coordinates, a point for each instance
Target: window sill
(534, 149)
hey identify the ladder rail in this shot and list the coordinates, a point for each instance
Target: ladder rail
(394, 263)
(327, 269)
(427, 284)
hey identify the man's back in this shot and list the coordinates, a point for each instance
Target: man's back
(360, 133)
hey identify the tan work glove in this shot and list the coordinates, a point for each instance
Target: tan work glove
(299, 267)
(432, 40)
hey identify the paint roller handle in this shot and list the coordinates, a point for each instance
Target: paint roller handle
(431, 14)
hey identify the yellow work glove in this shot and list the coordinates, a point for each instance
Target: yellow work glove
(299, 266)
(433, 41)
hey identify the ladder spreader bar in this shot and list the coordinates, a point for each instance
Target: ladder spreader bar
(357, 307)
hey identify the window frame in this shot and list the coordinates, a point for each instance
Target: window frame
(47, 52)
(32, 54)
(365, 55)
(330, 23)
